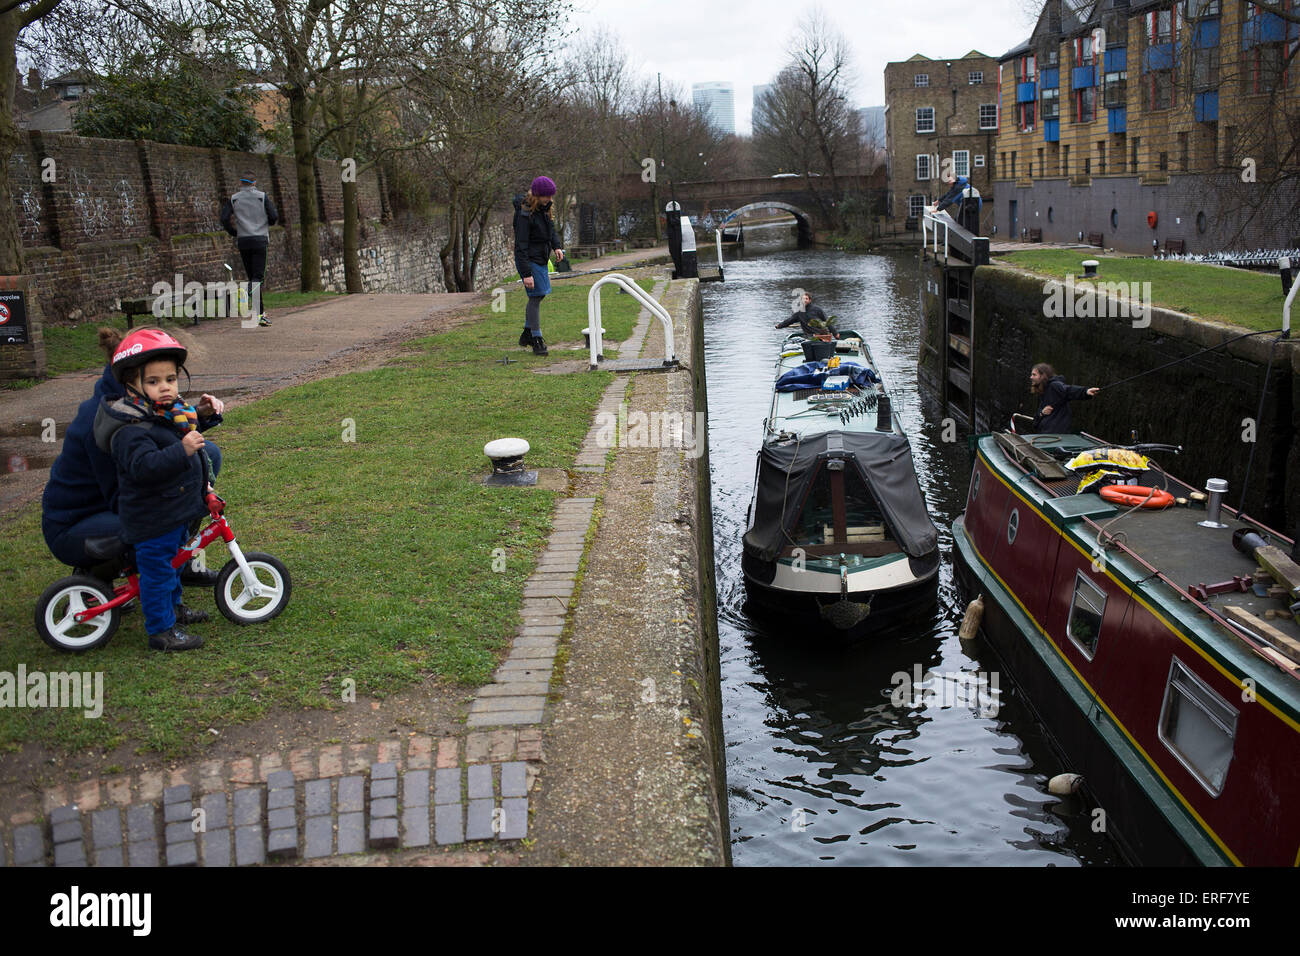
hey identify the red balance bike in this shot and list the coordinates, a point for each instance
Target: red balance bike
(81, 612)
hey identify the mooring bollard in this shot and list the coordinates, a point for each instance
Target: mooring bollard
(507, 456)
(1090, 267)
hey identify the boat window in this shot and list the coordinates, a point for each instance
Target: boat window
(1084, 626)
(816, 523)
(1199, 727)
(1013, 525)
(975, 485)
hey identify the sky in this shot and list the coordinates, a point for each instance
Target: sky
(745, 43)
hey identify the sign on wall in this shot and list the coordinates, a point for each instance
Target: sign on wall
(13, 317)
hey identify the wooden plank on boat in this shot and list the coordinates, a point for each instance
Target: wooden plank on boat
(1282, 642)
(1285, 571)
(1031, 456)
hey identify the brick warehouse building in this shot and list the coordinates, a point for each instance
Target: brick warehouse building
(1168, 110)
(937, 110)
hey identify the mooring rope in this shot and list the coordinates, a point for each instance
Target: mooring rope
(1187, 358)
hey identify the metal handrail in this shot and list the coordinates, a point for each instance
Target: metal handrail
(594, 332)
(972, 247)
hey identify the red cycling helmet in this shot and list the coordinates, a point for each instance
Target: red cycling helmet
(143, 346)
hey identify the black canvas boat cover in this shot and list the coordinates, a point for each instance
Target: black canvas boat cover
(883, 459)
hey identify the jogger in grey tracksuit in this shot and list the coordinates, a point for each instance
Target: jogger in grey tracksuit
(248, 216)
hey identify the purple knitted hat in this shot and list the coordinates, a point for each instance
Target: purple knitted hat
(543, 186)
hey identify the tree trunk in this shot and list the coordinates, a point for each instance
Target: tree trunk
(478, 248)
(351, 238)
(445, 253)
(308, 216)
(11, 240)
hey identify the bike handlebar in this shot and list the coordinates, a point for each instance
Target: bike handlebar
(216, 504)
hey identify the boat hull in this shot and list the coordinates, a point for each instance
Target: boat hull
(912, 593)
(1139, 828)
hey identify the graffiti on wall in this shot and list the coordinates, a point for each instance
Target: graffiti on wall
(92, 211)
(29, 195)
(127, 200)
(181, 190)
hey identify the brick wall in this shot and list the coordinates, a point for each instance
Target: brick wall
(121, 215)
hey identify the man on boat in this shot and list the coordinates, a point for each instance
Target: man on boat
(1054, 398)
(812, 319)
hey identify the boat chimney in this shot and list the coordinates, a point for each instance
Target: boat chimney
(884, 418)
(1216, 488)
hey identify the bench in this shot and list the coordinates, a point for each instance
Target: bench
(1035, 235)
(1097, 239)
(133, 307)
(1175, 245)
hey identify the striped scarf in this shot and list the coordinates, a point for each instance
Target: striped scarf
(180, 415)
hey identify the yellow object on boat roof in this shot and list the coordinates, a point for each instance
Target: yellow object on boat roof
(1116, 457)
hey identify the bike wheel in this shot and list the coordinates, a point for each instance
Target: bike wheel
(62, 600)
(251, 602)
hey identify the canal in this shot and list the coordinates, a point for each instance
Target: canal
(822, 767)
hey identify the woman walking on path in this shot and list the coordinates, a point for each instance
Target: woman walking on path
(535, 237)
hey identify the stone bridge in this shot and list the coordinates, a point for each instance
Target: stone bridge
(719, 199)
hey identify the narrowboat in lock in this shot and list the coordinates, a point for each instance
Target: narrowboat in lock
(837, 528)
(1162, 661)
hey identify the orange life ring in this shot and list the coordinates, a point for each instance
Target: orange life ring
(1136, 495)
(1152, 219)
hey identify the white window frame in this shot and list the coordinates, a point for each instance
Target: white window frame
(1202, 696)
(1093, 594)
(919, 111)
(994, 108)
(924, 168)
(920, 206)
(921, 79)
(975, 78)
(979, 161)
(961, 162)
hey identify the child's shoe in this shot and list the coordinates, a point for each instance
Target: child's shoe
(539, 347)
(525, 337)
(174, 639)
(190, 615)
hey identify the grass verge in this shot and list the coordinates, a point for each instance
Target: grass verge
(1248, 299)
(367, 487)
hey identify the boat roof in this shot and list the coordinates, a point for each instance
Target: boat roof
(1160, 555)
(815, 411)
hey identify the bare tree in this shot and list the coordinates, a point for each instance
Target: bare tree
(805, 123)
(15, 16)
(486, 104)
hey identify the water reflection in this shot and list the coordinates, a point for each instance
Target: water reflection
(826, 762)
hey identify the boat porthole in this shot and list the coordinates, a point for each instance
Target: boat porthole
(1013, 525)
(1200, 222)
(975, 486)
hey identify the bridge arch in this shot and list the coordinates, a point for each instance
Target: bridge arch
(802, 219)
